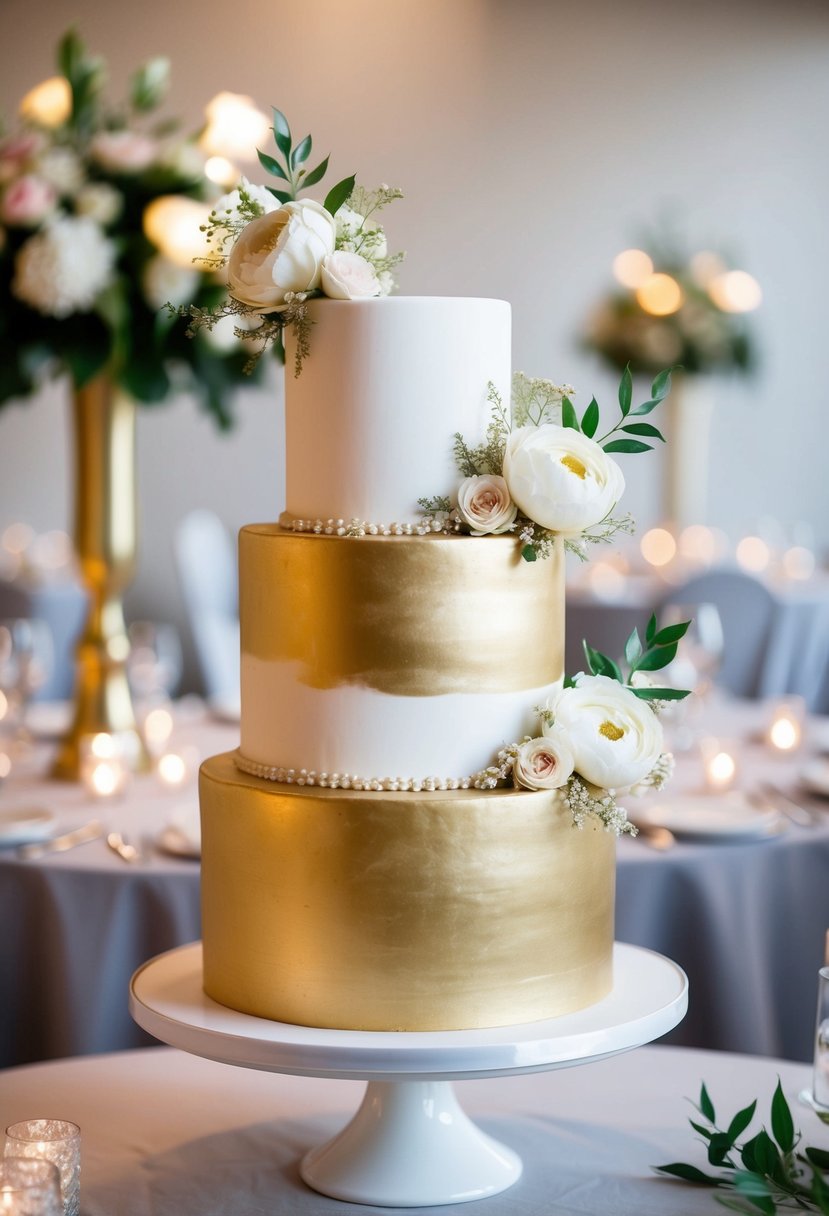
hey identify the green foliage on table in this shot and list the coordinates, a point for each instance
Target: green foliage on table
(657, 651)
(120, 333)
(765, 1174)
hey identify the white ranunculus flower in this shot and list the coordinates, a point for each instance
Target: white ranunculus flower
(280, 252)
(61, 269)
(165, 283)
(348, 276)
(544, 764)
(100, 201)
(561, 479)
(227, 207)
(615, 736)
(485, 505)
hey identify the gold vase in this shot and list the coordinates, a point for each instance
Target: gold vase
(105, 531)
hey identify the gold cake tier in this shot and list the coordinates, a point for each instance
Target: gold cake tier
(430, 911)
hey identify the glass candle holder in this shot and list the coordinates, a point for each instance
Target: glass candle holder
(719, 762)
(820, 1080)
(54, 1140)
(29, 1187)
(103, 766)
(786, 724)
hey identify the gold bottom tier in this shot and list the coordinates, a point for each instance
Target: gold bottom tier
(430, 911)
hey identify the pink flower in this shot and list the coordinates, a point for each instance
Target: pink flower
(485, 505)
(27, 201)
(545, 763)
(123, 151)
(20, 148)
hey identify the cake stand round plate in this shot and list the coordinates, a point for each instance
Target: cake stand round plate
(410, 1144)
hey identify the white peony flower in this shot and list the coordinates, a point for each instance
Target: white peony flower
(544, 764)
(348, 276)
(63, 268)
(61, 168)
(100, 201)
(227, 206)
(280, 252)
(165, 283)
(485, 505)
(123, 151)
(615, 736)
(561, 479)
(27, 201)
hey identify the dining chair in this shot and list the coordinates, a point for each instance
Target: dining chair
(747, 610)
(206, 563)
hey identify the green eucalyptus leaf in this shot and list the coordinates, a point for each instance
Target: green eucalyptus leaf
(337, 195)
(70, 54)
(643, 428)
(766, 1155)
(719, 1146)
(645, 408)
(662, 384)
(568, 414)
(654, 660)
(569, 682)
(818, 1157)
(590, 419)
(706, 1106)
(627, 445)
(316, 175)
(650, 633)
(281, 132)
(705, 1132)
(149, 84)
(625, 391)
(633, 647)
(688, 1173)
(301, 152)
(671, 633)
(271, 165)
(661, 694)
(282, 195)
(600, 664)
(529, 554)
(820, 1193)
(782, 1125)
(741, 1121)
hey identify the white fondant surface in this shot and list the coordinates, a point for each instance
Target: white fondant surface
(360, 731)
(370, 420)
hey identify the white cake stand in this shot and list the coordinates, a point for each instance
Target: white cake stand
(410, 1144)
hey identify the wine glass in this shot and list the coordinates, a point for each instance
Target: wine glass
(26, 658)
(155, 660)
(698, 659)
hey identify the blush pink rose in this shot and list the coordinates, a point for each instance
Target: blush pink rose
(27, 201)
(349, 276)
(543, 764)
(485, 505)
(123, 151)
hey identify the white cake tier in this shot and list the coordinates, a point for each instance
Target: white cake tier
(388, 382)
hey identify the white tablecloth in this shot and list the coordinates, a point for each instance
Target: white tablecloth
(166, 1134)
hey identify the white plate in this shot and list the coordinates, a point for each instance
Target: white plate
(815, 777)
(24, 825)
(709, 817)
(172, 840)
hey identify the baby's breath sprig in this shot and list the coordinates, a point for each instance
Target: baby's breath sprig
(602, 533)
(582, 800)
(535, 401)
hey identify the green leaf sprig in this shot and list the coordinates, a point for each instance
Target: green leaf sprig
(658, 650)
(291, 172)
(590, 419)
(765, 1171)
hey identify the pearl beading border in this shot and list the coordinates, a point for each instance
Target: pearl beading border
(348, 781)
(362, 527)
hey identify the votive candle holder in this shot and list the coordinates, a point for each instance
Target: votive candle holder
(55, 1140)
(820, 1077)
(29, 1186)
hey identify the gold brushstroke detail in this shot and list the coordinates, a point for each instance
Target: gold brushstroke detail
(432, 911)
(408, 615)
(574, 465)
(611, 731)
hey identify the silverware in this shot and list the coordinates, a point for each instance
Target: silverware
(769, 798)
(656, 837)
(126, 851)
(59, 844)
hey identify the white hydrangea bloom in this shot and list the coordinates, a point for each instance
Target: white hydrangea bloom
(61, 269)
(165, 283)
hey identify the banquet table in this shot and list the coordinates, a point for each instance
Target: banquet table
(746, 919)
(168, 1134)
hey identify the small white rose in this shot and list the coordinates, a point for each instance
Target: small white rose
(561, 479)
(615, 736)
(545, 763)
(348, 276)
(280, 252)
(484, 504)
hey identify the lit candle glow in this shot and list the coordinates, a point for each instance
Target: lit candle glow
(658, 547)
(720, 764)
(785, 730)
(660, 295)
(104, 772)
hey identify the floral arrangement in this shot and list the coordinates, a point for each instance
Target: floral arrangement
(281, 251)
(82, 286)
(600, 736)
(764, 1171)
(672, 309)
(542, 473)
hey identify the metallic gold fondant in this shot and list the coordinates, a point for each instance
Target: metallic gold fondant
(413, 616)
(429, 911)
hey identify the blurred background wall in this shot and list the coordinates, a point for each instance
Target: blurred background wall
(533, 140)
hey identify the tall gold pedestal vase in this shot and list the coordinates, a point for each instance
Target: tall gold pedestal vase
(105, 533)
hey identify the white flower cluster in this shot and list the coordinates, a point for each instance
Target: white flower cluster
(62, 269)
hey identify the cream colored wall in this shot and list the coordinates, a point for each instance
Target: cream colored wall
(533, 140)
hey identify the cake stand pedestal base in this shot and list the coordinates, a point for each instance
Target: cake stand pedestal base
(410, 1144)
(381, 1156)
